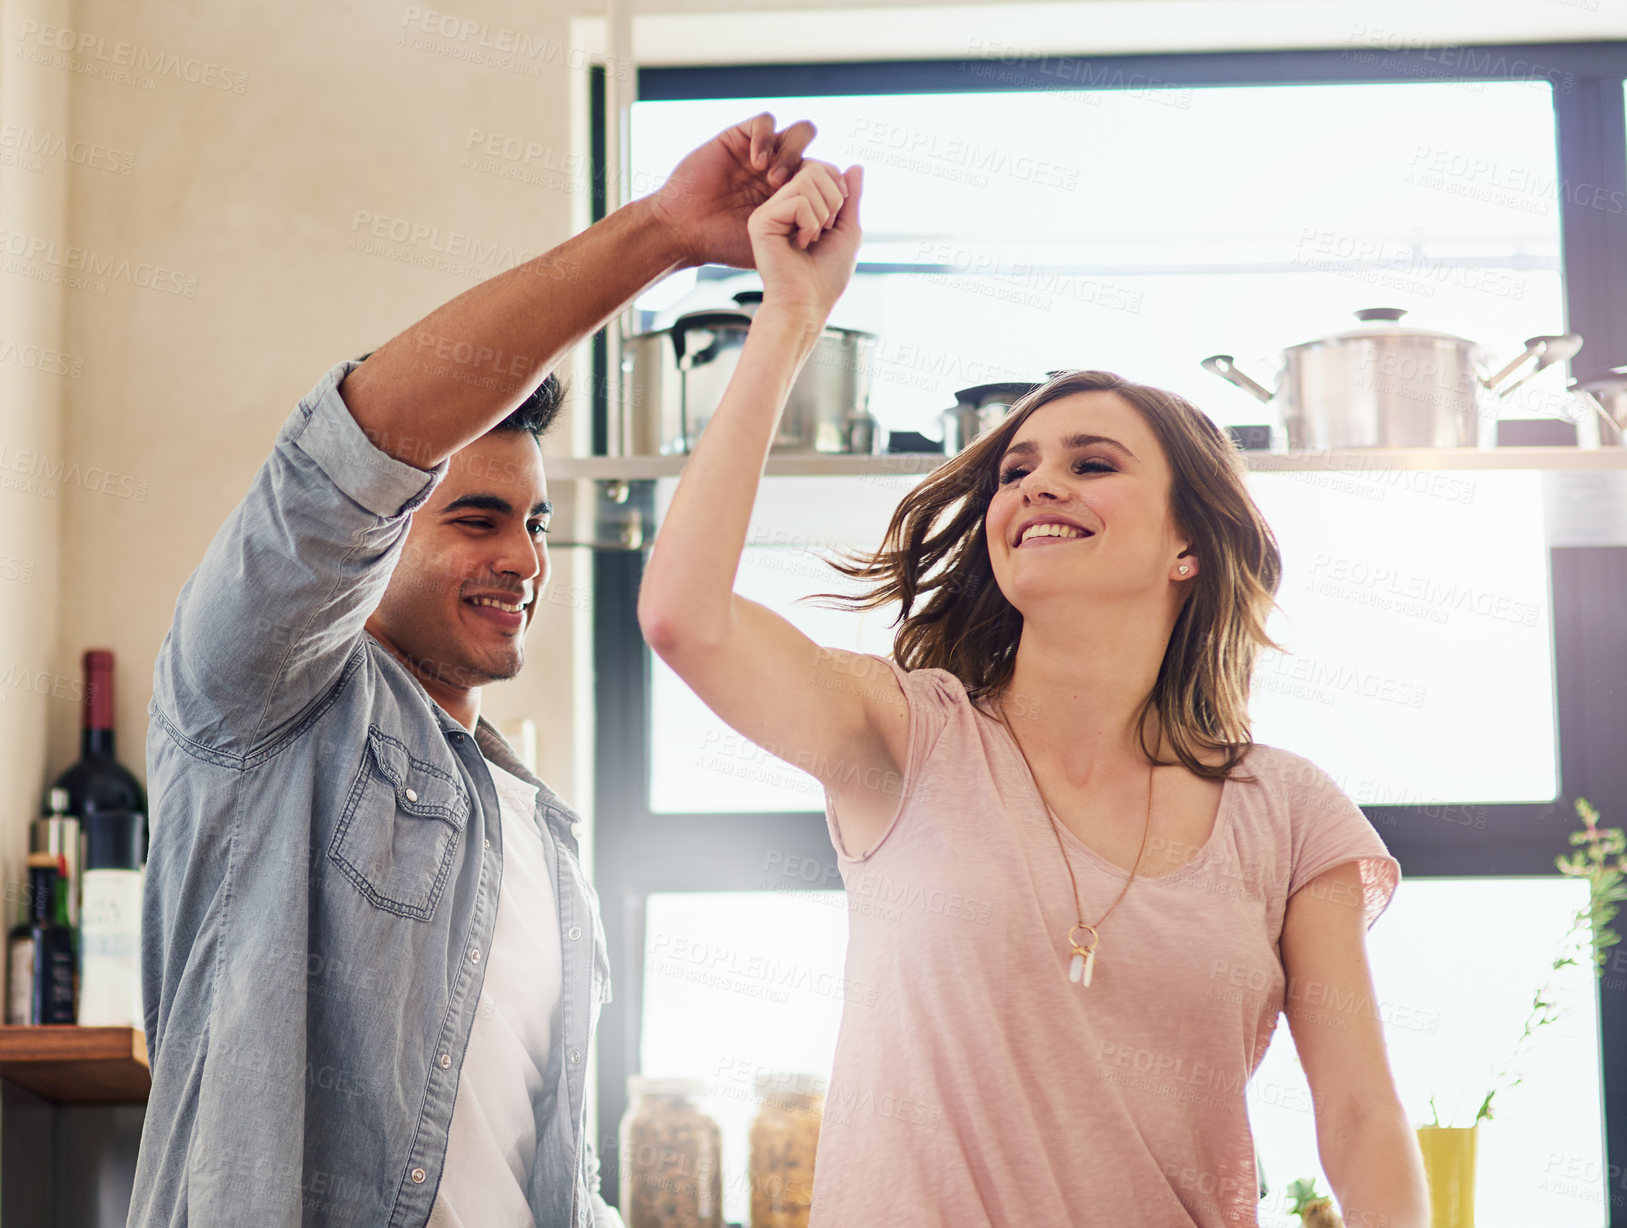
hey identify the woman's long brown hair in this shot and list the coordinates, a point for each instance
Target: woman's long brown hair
(934, 561)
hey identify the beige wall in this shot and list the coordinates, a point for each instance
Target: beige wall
(253, 198)
(34, 107)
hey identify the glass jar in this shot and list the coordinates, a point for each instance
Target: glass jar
(784, 1139)
(671, 1156)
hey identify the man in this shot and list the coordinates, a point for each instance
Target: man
(372, 963)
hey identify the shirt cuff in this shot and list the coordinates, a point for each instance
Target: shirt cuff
(322, 427)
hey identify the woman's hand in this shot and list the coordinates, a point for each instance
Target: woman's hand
(706, 201)
(805, 239)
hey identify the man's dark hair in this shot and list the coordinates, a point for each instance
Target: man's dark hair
(537, 412)
(534, 414)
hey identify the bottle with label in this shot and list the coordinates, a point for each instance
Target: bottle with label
(41, 960)
(58, 834)
(98, 781)
(110, 922)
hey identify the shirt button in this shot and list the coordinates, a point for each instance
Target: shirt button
(474, 956)
(576, 1057)
(576, 932)
(412, 795)
(419, 1176)
(446, 1061)
(487, 842)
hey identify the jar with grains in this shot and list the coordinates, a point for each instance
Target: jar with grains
(784, 1138)
(671, 1156)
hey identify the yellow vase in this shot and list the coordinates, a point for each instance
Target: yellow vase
(1449, 1165)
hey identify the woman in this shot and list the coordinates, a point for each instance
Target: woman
(1105, 893)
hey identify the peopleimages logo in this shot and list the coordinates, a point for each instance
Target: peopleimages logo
(422, 234)
(37, 465)
(40, 358)
(29, 143)
(85, 52)
(73, 259)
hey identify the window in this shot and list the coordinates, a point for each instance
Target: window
(1010, 234)
(740, 982)
(1415, 608)
(1456, 964)
(697, 763)
(1443, 651)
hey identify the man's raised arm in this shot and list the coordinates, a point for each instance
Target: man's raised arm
(265, 624)
(462, 369)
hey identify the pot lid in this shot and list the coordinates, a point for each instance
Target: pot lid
(750, 300)
(1002, 393)
(729, 319)
(1613, 380)
(1383, 322)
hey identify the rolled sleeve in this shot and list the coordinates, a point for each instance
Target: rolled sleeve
(280, 602)
(326, 431)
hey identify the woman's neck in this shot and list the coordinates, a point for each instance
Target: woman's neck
(1075, 695)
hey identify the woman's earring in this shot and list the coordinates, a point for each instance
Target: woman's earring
(1184, 569)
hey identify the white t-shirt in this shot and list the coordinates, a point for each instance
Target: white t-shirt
(493, 1140)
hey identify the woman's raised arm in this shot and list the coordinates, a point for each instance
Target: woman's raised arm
(835, 714)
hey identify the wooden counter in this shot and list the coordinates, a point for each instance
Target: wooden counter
(67, 1064)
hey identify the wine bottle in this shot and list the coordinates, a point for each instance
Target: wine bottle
(41, 952)
(98, 781)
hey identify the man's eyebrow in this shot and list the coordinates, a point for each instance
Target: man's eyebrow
(495, 503)
(1028, 447)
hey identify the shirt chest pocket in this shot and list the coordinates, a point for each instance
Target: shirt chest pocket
(398, 837)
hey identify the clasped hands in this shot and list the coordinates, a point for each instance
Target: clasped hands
(748, 198)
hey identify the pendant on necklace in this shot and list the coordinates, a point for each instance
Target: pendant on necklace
(1083, 962)
(1081, 966)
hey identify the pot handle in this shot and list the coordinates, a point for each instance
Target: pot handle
(1597, 406)
(1221, 365)
(1547, 350)
(700, 320)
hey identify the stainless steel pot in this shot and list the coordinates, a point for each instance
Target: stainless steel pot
(977, 410)
(1606, 395)
(673, 379)
(1387, 386)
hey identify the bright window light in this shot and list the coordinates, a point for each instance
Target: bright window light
(1011, 234)
(740, 982)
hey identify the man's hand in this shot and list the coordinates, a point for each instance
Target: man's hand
(806, 238)
(708, 198)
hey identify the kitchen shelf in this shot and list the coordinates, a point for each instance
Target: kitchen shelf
(1357, 460)
(608, 503)
(68, 1064)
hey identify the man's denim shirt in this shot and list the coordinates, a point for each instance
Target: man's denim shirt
(322, 886)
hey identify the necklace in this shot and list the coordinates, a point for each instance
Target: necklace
(1083, 962)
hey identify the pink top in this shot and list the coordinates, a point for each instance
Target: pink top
(973, 1083)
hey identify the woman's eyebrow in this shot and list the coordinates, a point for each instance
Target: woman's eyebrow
(1028, 447)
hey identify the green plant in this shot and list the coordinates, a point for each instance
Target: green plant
(1302, 1195)
(1598, 858)
(1314, 1210)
